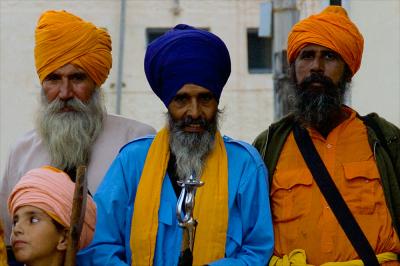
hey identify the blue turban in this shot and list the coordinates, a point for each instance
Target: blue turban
(186, 55)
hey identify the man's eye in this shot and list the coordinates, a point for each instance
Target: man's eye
(180, 99)
(306, 56)
(79, 77)
(206, 97)
(52, 77)
(330, 56)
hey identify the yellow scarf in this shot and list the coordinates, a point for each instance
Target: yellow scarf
(3, 252)
(211, 209)
(298, 257)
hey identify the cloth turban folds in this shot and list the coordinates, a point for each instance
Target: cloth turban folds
(186, 55)
(52, 191)
(331, 28)
(62, 38)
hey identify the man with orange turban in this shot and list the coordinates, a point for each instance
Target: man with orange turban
(40, 206)
(328, 164)
(73, 59)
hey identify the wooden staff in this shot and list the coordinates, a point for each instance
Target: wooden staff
(77, 216)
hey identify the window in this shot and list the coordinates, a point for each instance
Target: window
(154, 33)
(259, 52)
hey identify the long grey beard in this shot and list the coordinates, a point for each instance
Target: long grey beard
(191, 149)
(68, 136)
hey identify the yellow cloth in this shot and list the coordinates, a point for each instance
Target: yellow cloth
(331, 28)
(298, 258)
(211, 208)
(301, 216)
(62, 38)
(3, 251)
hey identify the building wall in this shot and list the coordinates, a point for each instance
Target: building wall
(246, 100)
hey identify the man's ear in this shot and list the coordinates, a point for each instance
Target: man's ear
(63, 241)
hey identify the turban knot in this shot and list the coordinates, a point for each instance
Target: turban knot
(52, 191)
(186, 55)
(62, 38)
(331, 28)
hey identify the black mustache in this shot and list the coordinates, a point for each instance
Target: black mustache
(190, 121)
(316, 77)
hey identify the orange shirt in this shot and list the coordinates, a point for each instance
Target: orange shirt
(302, 218)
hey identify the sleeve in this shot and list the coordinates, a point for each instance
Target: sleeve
(113, 201)
(257, 230)
(5, 191)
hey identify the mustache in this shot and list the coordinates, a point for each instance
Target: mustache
(74, 104)
(317, 78)
(188, 120)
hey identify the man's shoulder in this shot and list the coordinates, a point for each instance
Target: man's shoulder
(239, 149)
(279, 128)
(138, 145)
(126, 125)
(28, 140)
(386, 126)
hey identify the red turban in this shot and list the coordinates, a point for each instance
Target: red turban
(62, 38)
(331, 28)
(52, 191)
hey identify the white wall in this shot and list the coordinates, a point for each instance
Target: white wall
(377, 84)
(247, 99)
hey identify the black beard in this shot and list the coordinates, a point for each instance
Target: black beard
(319, 107)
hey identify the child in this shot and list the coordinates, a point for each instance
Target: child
(40, 206)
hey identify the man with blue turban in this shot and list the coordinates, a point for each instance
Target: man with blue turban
(187, 195)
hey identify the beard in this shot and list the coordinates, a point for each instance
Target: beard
(319, 107)
(68, 136)
(191, 148)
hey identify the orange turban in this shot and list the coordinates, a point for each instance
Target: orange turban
(331, 28)
(52, 191)
(62, 38)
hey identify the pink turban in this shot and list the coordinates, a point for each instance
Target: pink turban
(331, 28)
(62, 38)
(52, 191)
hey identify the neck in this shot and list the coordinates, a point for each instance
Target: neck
(55, 259)
(328, 127)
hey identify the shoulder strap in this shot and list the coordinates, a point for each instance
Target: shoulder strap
(370, 122)
(333, 197)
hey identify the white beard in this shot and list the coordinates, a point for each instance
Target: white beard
(190, 149)
(68, 136)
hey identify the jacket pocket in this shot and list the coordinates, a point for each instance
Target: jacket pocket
(291, 194)
(362, 181)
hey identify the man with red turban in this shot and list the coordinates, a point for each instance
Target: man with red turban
(40, 206)
(324, 141)
(73, 59)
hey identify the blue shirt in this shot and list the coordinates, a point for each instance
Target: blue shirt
(249, 239)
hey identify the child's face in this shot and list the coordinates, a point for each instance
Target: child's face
(35, 237)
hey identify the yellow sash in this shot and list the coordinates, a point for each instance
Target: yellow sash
(298, 258)
(3, 252)
(211, 208)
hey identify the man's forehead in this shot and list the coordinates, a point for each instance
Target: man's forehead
(315, 47)
(69, 69)
(192, 89)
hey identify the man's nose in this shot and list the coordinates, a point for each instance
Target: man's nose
(194, 109)
(65, 90)
(317, 65)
